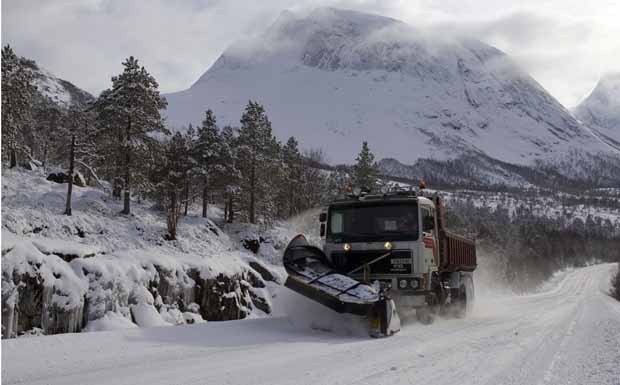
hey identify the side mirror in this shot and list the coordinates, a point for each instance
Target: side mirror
(322, 232)
(428, 223)
(323, 217)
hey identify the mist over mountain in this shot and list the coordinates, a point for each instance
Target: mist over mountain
(334, 78)
(601, 109)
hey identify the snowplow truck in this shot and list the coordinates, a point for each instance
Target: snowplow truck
(380, 251)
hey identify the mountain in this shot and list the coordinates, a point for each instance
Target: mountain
(601, 109)
(52, 89)
(334, 78)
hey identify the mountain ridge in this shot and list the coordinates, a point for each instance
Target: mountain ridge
(52, 89)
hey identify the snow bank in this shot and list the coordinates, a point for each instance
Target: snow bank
(110, 321)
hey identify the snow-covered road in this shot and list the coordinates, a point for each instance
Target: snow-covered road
(567, 334)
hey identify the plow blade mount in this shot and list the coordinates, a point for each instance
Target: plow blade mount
(312, 275)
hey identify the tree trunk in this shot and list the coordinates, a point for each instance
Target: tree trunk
(172, 217)
(225, 209)
(252, 194)
(127, 184)
(71, 169)
(186, 196)
(44, 163)
(231, 212)
(13, 157)
(205, 200)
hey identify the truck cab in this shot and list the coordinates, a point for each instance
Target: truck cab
(358, 230)
(400, 240)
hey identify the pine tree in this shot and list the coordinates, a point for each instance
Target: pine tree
(17, 95)
(48, 120)
(171, 177)
(72, 144)
(228, 175)
(190, 174)
(365, 172)
(292, 177)
(271, 177)
(318, 186)
(258, 151)
(207, 154)
(129, 112)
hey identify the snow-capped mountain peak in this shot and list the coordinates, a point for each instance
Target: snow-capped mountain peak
(601, 109)
(334, 78)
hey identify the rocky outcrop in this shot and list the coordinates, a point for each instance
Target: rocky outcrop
(39, 291)
(44, 292)
(61, 177)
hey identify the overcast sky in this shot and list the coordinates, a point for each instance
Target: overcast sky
(564, 44)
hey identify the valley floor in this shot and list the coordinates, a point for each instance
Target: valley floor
(569, 333)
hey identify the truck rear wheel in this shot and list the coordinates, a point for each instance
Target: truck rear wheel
(465, 296)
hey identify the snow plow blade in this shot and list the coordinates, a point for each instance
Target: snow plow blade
(312, 275)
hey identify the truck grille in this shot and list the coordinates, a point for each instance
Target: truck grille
(399, 262)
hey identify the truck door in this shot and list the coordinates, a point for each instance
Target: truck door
(429, 238)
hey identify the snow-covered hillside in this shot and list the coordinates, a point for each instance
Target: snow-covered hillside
(334, 78)
(58, 91)
(601, 109)
(98, 270)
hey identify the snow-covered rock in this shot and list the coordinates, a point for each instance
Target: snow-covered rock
(334, 78)
(39, 291)
(601, 109)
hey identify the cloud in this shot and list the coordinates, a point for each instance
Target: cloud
(564, 44)
(562, 54)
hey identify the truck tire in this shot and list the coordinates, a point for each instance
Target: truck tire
(465, 297)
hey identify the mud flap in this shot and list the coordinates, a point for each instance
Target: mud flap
(384, 319)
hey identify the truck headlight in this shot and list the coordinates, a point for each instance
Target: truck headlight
(346, 247)
(388, 245)
(402, 283)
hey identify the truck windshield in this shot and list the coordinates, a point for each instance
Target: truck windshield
(372, 223)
